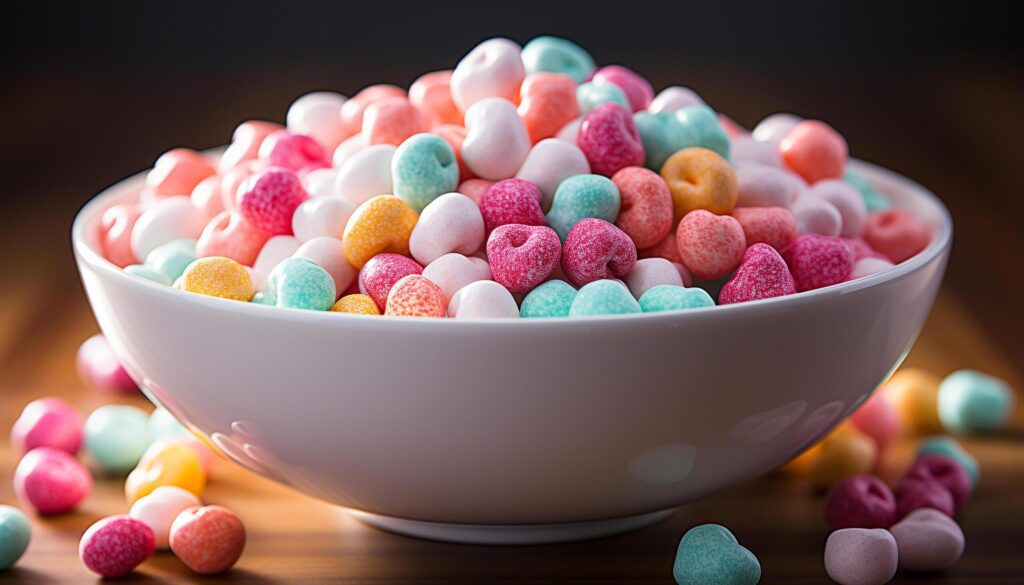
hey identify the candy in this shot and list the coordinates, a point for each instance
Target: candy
(581, 197)
(381, 273)
(772, 129)
(666, 297)
(666, 133)
(299, 283)
(171, 259)
(868, 266)
(115, 237)
(115, 545)
(873, 199)
(710, 245)
(232, 236)
(709, 553)
(359, 304)
(861, 250)
(47, 422)
(636, 88)
(353, 110)
(556, 55)
(674, 98)
(570, 132)
(423, 168)
(166, 463)
(15, 534)
(474, 188)
(847, 201)
(522, 256)
(945, 471)
(928, 540)
(596, 249)
(99, 368)
(245, 144)
(416, 296)
(483, 299)
(496, 141)
(667, 248)
(603, 297)
(455, 136)
(207, 196)
(846, 451)
(700, 179)
(176, 172)
(451, 223)
(815, 151)
(492, 69)
(431, 94)
(51, 481)
(232, 181)
(366, 174)
(949, 447)
(651, 272)
(860, 501)
(746, 151)
(208, 539)
(169, 219)
(159, 508)
(381, 224)
(116, 437)
(861, 556)
(774, 226)
(218, 277)
(610, 140)
(913, 495)
(318, 115)
(294, 152)
(915, 395)
(551, 299)
(549, 163)
(705, 128)
(879, 419)
(269, 199)
(548, 103)
(320, 182)
(321, 217)
(763, 274)
(814, 215)
(590, 95)
(818, 261)
(329, 253)
(454, 271)
(974, 402)
(271, 254)
(511, 201)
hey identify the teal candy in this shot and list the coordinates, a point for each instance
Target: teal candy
(590, 95)
(703, 122)
(162, 425)
(299, 283)
(551, 299)
(264, 298)
(710, 555)
(873, 198)
(117, 436)
(424, 168)
(580, 197)
(950, 448)
(603, 297)
(171, 259)
(15, 533)
(667, 297)
(148, 273)
(554, 55)
(666, 133)
(974, 402)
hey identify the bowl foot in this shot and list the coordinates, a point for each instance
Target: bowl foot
(510, 534)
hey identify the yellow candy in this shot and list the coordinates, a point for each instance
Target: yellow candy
(802, 463)
(359, 304)
(217, 277)
(381, 224)
(915, 394)
(700, 179)
(846, 451)
(166, 463)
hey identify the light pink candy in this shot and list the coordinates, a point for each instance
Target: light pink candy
(274, 250)
(570, 132)
(763, 274)
(860, 249)
(176, 172)
(350, 147)
(847, 200)
(329, 253)
(746, 150)
(450, 223)
(511, 201)
(766, 186)
(637, 89)
(496, 141)
(115, 545)
(206, 196)
(928, 540)
(321, 216)
(878, 419)
(818, 261)
(100, 369)
(710, 246)
(522, 256)
(391, 120)
(269, 199)
(115, 236)
(651, 272)
(610, 140)
(451, 272)
(159, 508)
(814, 215)
(483, 299)
(594, 250)
(245, 143)
(868, 266)
(366, 174)
(295, 152)
(230, 235)
(861, 556)
(474, 188)
(231, 182)
(51, 481)
(493, 68)
(774, 128)
(946, 471)
(380, 274)
(47, 422)
(674, 98)
(166, 220)
(318, 115)
(321, 182)
(550, 162)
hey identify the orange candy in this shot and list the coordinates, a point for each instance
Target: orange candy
(700, 179)
(356, 303)
(215, 276)
(548, 104)
(381, 224)
(176, 172)
(391, 120)
(416, 296)
(432, 94)
(208, 539)
(815, 151)
(245, 143)
(914, 393)
(353, 108)
(846, 451)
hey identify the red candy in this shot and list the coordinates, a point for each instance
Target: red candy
(231, 236)
(860, 501)
(762, 275)
(710, 245)
(268, 201)
(51, 481)
(946, 472)
(511, 201)
(638, 91)
(115, 545)
(294, 152)
(391, 120)
(596, 249)
(522, 256)
(818, 261)
(915, 494)
(878, 419)
(774, 226)
(381, 273)
(208, 539)
(610, 140)
(815, 151)
(548, 103)
(645, 213)
(47, 422)
(897, 233)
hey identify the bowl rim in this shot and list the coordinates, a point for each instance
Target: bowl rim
(84, 253)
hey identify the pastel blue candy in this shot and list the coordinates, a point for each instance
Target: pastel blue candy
(422, 169)
(148, 273)
(116, 437)
(264, 298)
(950, 448)
(554, 55)
(873, 198)
(710, 555)
(551, 299)
(666, 133)
(590, 95)
(171, 259)
(299, 283)
(603, 297)
(974, 402)
(15, 533)
(667, 297)
(163, 425)
(705, 126)
(580, 197)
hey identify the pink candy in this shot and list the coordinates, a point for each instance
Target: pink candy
(352, 110)
(176, 172)
(245, 143)
(380, 274)
(845, 198)
(651, 272)
(815, 151)
(115, 239)
(913, 495)
(454, 271)
(522, 256)
(450, 223)
(645, 212)
(51, 481)
(483, 299)
(638, 91)
(115, 545)
(763, 274)
(474, 188)
(878, 419)
(549, 163)
(596, 249)
(946, 472)
(610, 140)
(47, 422)
(391, 120)
(928, 540)
(232, 236)
(432, 94)
(269, 199)
(818, 261)
(493, 68)
(861, 556)
(860, 501)
(511, 201)
(710, 245)
(100, 369)
(295, 152)
(496, 141)
(897, 233)
(548, 103)
(774, 226)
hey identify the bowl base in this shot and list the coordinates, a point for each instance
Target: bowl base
(510, 534)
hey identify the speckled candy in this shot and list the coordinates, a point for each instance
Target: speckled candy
(51, 481)
(115, 545)
(774, 226)
(596, 249)
(416, 296)
(208, 539)
(666, 297)
(815, 151)
(381, 224)
(818, 261)
(300, 283)
(763, 274)
(548, 103)
(116, 437)
(496, 141)
(269, 199)
(47, 422)
(493, 68)
(549, 163)
(358, 304)
(636, 88)
(423, 168)
(551, 299)
(861, 556)
(381, 273)
(928, 541)
(710, 554)
(218, 277)
(15, 534)
(946, 471)
(970, 401)
(294, 152)
(646, 209)
(949, 447)
(651, 272)
(483, 299)
(860, 501)
(557, 55)
(603, 297)
(159, 508)
(512, 201)
(711, 246)
(917, 494)
(522, 256)
(230, 235)
(610, 140)
(581, 197)
(700, 179)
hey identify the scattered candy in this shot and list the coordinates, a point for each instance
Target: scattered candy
(169, 219)
(15, 534)
(637, 89)
(944, 471)
(299, 283)
(861, 556)
(774, 226)
(815, 151)
(230, 235)
(949, 447)
(294, 152)
(555, 55)
(318, 115)
(497, 142)
(450, 223)
(51, 481)
(159, 508)
(970, 401)
(878, 419)
(610, 140)
(651, 272)
(366, 174)
(548, 103)
(115, 545)
(454, 271)
(549, 163)
(913, 495)
(381, 224)
(268, 200)
(208, 539)
(711, 554)
(116, 437)
(915, 395)
(860, 501)
(47, 422)
(321, 217)
(928, 541)
(391, 120)
(431, 93)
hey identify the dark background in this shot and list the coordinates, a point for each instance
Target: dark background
(92, 93)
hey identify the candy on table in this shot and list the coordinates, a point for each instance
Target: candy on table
(581, 197)
(329, 253)
(949, 447)
(674, 98)
(493, 68)
(868, 266)
(455, 136)
(353, 109)
(814, 215)
(99, 368)
(496, 141)
(483, 299)
(772, 129)
(610, 140)
(159, 508)
(51, 481)
(700, 179)
(511, 201)
(166, 462)
(47, 422)
(970, 401)
(116, 437)
(216, 276)
(115, 545)
(416, 296)
(818, 261)
(381, 273)
(845, 451)
(522, 256)
(878, 419)
(450, 223)
(861, 556)
(176, 172)
(550, 162)
(762, 274)
(603, 297)
(646, 209)
(318, 115)
(366, 174)
(548, 103)
(873, 198)
(166, 220)
(710, 553)
(556, 55)
(928, 541)
(171, 259)
(359, 304)
(814, 150)
(207, 196)
(915, 394)
(431, 93)
(423, 168)
(268, 200)
(381, 224)
(847, 201)
(15, 534)
(321, 216)
(774, 226)
(943, 470)
(914, 495)
(475, 188)
(590, 95)
(115, 237)
(711, 246)
(666, 297)
(454, 271)
(551, 299)
(651, 272)
(271, 254)
(208, 539)
(245, 144)
(300, 283)
(637, 89)
(860, 501)
(596, 249)
(294, 152)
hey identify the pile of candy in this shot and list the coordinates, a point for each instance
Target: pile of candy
(526, 182)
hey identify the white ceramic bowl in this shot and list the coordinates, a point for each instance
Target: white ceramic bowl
(515, 431)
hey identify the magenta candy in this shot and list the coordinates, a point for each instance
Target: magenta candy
(115, 545)
(295, 152)
(818, 261)
(763, 274)
(637, 89)
(610, 140)
(268, 200)
(100, 369)
(511, 201)
(47, 422)
(860, 501)
(915, 494)
(946, 472)
(51, 481)
(522, 256)
(596, 249)
(380, 274)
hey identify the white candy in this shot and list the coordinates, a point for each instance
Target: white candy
(651, 272)
(496, 141)
(674, 98)
(766, 186)
(814, 215)
(847, 200)
(454, 271)
(868, 266)
(494, 68)
(366, 174)
(775, 127)
(450, 223)
(321, 216)
(483, 299)
(271, 254)
(550, 162)
(570, 132)
(746, 149)
(321, 182)
(328, 253)
(166, 220)
(318, 115)
(349, 147)
(159, 508)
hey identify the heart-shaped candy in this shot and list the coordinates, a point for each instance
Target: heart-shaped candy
(711, 554)
(762, 275)
(522, 256)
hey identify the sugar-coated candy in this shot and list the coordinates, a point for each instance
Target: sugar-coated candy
(878, 419)
(637, 89)
(551, 299)
(845, 451)
(47, 422)
(431, 94)
(318, 115)
(475, 188)
(176, 172)
(423, 168)
(51, 481)
(818, 261)
(709, 553)
(915, 394)
(948, 446)
(814, 215)
(868, 266)
(603, 297)
(216, 276)
(772, 129)
(774, 226)
(700, 179)
(496, 142)
(268, 200)
(917, 494)
(705, 127)
(928, 541)
(294, 152)
(169, 219)
(651, 272)
(667, 248)
(455, 136)
(556, 55)
(667, 297)
(861, 556)
(379, 275)
(974, 402)
(847, 201)
(483, 299)
(762, 274)
(493, 68)
(450, 223)
(232, 236)
(610, 140)
(354, 108)
(116, 437)
(581, 197)
(15, 534)
(366, 174)
(359, 304)
(548, 103)
(329, 253)
(159, 508)
(522, 256)
(321, 217)
(454, 271)
(233, 180)
(665, 133)
(711, 246)
(300, 283)
(946, 471)
(511, 201)
(674, 98)
(596, 249)
(550, 162)
(646, 208)
(171, 259)
(99, 368)
(381, 224)
(814, 150)
(245, 144)
(115, 545)
(165, 462)
(590, 95)
(416, 296)
(115, 237)
(208, 539)
(860, 501)
(873, 198)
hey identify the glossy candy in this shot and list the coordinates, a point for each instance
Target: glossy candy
(651, 272)
(548, 103)
(570, 132)
(815, 151)
(590, 95)
(549, 163)
(321, 217)
(51, 481)
(762, 274)
(269, 199)
(451, 223)
(557, 55)
(974, 402)
(454, 271)
(353, 110)
(416, 296)
(666, 297)
(47, 422)
(218, 277)
(914, 495)
(860, 501)
(422, 169)
(493, 68)
(232, 236)
(300, 283)
(603, 297)
(772, 129)
(15, 534)
(915, 395)
(100, 369)
(818, 261)
(868, 266)
(709, 553)
(745, 150)
(949, 447)
(381, 224)
(329, 253)
(774, 226)
(208, 540)
(483, 299)
(171, 259)
(581, 197)
(169, 219)
(551, 299)
(879, 419)
(637, 89)
(320, 182)
(176, 172)
(711, 246)
(861, 556)
(700, 179)
(674, 98)
(115, 233)
(273, 252)
(159, 508)
(431, 93)
(359, 304)
(366, 174)
(318, 115)
(115, 545)
(496, 141)
(381, 273)
(245, 144)
(873, 198)
(610, 140)
(295, 152)
(522, 256)
(233, 180)
(596, 249)
(928, 541)
(166, 462)
(511, 201)
(116, 437)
